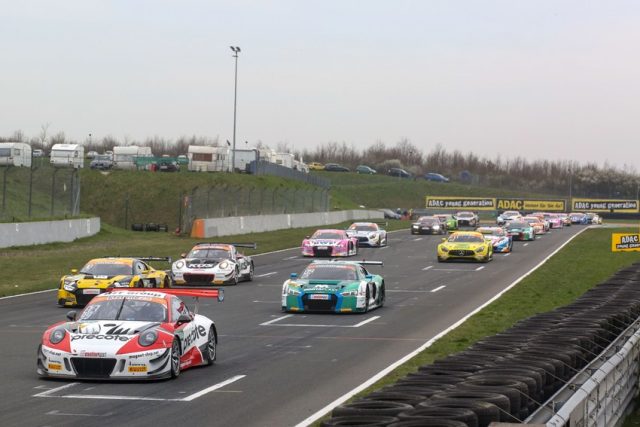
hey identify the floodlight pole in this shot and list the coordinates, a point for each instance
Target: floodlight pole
(235, 50)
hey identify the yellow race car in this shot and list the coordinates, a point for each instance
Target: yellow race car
(99, 274)
(469, 245)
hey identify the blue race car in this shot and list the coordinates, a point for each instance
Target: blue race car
(502, 242)
(578, 218)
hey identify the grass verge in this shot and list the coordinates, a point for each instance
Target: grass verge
(36, 268)
(582, 264)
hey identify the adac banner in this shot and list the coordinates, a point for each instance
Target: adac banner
(467, 203)
(530, 205)
(625, 242)
(604, 205)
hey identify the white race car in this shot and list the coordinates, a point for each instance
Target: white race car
(508, 216)
(368, 233)
(213, 264)
(130, 334)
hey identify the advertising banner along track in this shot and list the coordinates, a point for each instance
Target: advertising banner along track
(625, 242)
(493, 204)
(604, 205)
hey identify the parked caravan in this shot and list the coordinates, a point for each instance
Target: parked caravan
(284, 159)
(267, 155)
(244, 157)
(15, 154)
(204, 158)
(67, 155)
(123, 156)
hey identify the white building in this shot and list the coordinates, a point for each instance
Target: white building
(15, 154)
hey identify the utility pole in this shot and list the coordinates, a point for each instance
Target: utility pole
(236, 51)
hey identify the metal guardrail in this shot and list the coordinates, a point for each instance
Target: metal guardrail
(600, 394)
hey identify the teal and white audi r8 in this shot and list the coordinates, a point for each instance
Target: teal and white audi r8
(334, 287)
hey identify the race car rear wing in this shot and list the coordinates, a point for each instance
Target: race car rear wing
(363, 262)
(195, 293)
(237, 245)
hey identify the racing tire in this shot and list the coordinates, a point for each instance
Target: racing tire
(211, 351)
(236, 280)
(381, 296)
(368, 420)
(249, 276)
(175, 358)
(366, 300)
(166, 283)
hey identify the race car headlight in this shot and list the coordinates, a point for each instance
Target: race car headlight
(224, 265)
(147, 338)
(480, 249)
(372, 235)
(70, 286)
(415, 225)
(57, 336)
(436, 227)
(121, 284)
(179, 264)
(444, 249)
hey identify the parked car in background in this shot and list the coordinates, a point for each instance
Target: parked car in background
(91, 154)
(315, 166)
(334, 167)
(364, 169)
(436, 177)
(400, 173)
(389, 214)
(38, 153)
(168, 165)
(101, 162)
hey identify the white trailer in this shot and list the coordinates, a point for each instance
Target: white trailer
(267, 155)
(300, 166)
(123, 156)
(15, 154)
(204, 158)
(284, 159)
(67, 155)
(245, 156)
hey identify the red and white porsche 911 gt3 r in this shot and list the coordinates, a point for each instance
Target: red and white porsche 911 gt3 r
(130, 334)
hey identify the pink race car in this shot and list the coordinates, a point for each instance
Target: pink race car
(555, 221)
(329, 243)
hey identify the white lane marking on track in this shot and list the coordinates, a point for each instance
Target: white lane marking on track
(30, 293)
(526, 244)
(480, 268)
(322, 412)
(453, 269)
(291, 257)
(406, 290)
(417, 239)
(54, 390)
(438, 288)
(507, 254)
(267, 302)
(266, 274)
(68, 414)
(276, 320)
(427, 268)
(310, 325)
(212, 388)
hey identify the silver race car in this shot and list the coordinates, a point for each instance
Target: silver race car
(213, 264)
(368, 233)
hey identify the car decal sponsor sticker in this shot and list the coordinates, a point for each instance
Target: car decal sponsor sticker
(138, 368)
(54, 366)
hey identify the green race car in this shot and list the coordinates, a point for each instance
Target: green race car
(334, 287)
(449, 220)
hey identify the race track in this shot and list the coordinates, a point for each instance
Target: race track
(273, 369)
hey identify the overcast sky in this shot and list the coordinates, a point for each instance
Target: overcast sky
(557, 79)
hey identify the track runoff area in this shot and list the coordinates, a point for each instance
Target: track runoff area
(273, 368)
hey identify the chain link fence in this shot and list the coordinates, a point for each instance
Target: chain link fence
(39, 192)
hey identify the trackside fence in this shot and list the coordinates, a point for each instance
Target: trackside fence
(268, 168)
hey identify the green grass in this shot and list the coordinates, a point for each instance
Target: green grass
(582, 264)
(35, 268)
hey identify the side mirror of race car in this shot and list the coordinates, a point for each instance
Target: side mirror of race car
(183, 255)
(72, 315)
(294, 275)
(74, 271)
(444, 239)
(184, 318)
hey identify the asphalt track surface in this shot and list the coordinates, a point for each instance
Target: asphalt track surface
(273, 369)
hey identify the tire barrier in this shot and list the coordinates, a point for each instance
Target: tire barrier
(151, 226)
(511, 375)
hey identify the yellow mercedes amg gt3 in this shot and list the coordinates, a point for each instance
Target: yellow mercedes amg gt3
(469, 245)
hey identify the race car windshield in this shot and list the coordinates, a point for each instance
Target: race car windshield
(107, 269)
(125, 309)
(465, 215)
(491, 232)
(428, 221)
(329, 273)
(466, 238)
(513, 225)
(327, 235)
(363, 228)
(209, 254)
